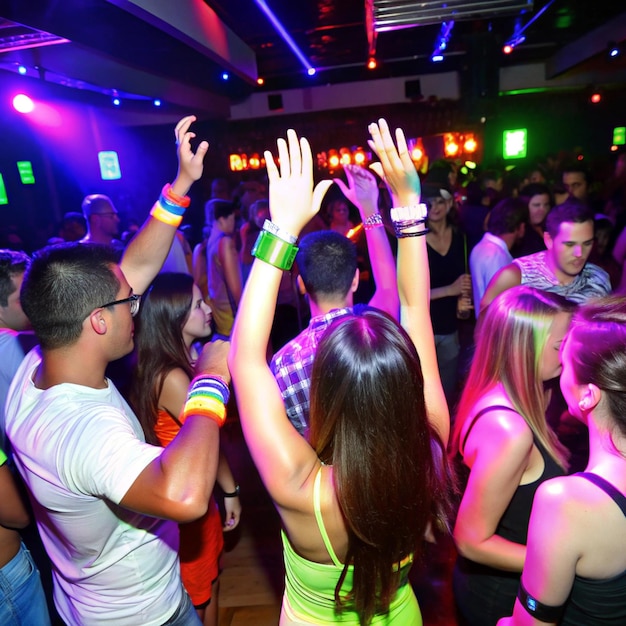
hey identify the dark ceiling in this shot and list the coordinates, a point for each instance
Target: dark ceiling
(122, 45)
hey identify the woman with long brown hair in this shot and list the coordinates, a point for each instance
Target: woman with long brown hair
(357, 499)
(172, 317)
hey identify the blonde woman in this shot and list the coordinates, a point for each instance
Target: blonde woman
(504, 441)
(575, 569)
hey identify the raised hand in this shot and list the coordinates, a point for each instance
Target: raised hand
(361, 190)
(212, 360)
(396, 167)
(293, 200)
(190, 165)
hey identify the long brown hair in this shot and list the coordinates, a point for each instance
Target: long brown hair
(511, 339)
(159, 342)
(368, 419)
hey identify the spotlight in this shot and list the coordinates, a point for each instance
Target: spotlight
(371, 64)
(613, 50)
(116, 102)
(441, 43)
(596, 97)
(22, 70)
(507, 49)
(260, 81)
(311, 71)
(225, 75)
(157, 103)
(23, 104)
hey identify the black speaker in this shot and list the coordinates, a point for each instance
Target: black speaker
(413, 90)
(275, 101)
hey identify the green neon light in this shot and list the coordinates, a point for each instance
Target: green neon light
(25, 169)
(619, 136)
(514, 143)
(4, 199)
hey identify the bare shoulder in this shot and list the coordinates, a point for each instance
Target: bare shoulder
(507, 277)
(175, 381)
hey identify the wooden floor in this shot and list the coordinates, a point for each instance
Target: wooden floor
(251, 582)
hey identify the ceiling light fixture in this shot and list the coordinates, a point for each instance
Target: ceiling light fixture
(518, 36)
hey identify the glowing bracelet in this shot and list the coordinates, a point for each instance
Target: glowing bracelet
(160, 214)
(205, 407)
(211, 384)
(174, 198)
(170, 206)
(273, 250)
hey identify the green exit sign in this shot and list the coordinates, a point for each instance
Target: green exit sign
(25, 169)
(514, 143)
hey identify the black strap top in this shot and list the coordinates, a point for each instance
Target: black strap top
(598, 602)
(513, 524)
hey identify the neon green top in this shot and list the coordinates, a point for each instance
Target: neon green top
(310, 587)
(3, 457)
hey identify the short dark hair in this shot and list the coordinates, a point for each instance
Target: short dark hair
(507, 216)
(534, 189)
(572, 210)
(63, 284)
(12, 263)
(327, 262)
(222, 208)
(576, 167)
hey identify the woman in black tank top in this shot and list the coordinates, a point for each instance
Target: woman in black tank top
(506, 447)
(575, 569)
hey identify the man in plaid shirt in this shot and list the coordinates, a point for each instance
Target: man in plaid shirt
(327, 262)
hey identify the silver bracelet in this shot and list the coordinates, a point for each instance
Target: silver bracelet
(373, 221)
(270, 227)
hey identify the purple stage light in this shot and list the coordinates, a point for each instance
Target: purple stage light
(23, 104)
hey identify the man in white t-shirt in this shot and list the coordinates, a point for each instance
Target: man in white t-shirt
(106, 503)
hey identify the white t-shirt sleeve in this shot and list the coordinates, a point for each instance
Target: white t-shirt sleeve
(103, 455)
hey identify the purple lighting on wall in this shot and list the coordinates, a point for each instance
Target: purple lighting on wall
(280, 29)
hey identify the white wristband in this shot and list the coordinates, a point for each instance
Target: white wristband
(412, 212)
(270, 227)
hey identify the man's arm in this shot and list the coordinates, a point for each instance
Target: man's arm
(177, 485)
(509, 276)
(362, 191)
(148, 249)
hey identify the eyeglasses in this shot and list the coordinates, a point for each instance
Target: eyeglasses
(134, 303)
(112, 214)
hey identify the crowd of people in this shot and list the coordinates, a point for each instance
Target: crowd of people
(338, 309)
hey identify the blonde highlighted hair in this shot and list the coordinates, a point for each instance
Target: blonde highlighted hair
(512, 336)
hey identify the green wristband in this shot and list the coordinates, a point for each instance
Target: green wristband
(275, 251)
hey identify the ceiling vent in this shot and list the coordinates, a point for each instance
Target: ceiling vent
(395, 14)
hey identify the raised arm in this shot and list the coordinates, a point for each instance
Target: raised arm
(362, 191)
(148, 249)
(283, 458)
(399, 173)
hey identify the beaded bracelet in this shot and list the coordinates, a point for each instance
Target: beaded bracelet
(279, 232)
(415, 233)
(273, 250)
(373, 221)
(165, 216)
